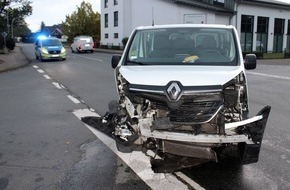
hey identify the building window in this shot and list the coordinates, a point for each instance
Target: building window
(116, 35)
(106, 3)
(262, 34)
(106, 35)
(115, 2)
(288, 38)
(247, 24)
(116, 18)
(106, 21)
(278, 35)
(219, 2)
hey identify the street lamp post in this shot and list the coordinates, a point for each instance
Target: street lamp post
(12, 33)
(7, 18)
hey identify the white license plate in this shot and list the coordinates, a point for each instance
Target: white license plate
(55, 56)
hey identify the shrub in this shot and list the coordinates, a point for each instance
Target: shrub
(124, 41)
(10, 44)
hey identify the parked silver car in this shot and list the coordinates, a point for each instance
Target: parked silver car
(82, 44)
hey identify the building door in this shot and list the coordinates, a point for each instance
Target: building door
(247, 24)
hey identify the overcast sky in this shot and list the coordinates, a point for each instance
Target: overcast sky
(54, 11)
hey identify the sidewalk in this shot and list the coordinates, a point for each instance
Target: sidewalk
(108, 51)
(12, 60)
(273, 61)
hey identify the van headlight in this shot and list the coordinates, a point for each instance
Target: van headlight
(235, 91)
(43, 50)
(62, 50)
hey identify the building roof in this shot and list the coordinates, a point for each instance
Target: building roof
(227, 7)
(267, 3)
(52, 30)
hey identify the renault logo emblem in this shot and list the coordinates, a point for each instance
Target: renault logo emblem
(173, 91)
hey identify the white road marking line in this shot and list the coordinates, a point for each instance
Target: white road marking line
(137, 161)
(269, 75)
(63, 87)
(35, 67)
(57, 85)
(40, 70)
(92, 110)
(89, 58)
(73, 99)
(192, 183)
(46, 76)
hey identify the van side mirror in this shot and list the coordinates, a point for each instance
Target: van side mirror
(250, 61)
(115, 60)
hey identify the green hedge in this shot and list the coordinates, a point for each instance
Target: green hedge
(261, 55)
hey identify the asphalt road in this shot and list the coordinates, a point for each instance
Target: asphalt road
(43, 146)
(41, 138)
(268, 85)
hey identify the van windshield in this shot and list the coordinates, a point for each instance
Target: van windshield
(51, 42)
(183, 46)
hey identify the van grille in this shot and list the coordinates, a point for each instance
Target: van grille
(189, 109)
(54, 52)
(195, 112)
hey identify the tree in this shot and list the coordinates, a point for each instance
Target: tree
(83, 21)
(42, 25)
(12, 15)
(21, 30)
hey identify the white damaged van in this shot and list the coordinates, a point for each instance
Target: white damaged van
(184, 96)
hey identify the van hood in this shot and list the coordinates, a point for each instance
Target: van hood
(186, 75)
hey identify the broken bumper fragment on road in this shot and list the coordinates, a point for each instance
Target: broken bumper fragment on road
(250, 151)
(175, 150)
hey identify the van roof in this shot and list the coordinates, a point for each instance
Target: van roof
(83, 36)
(185, 26)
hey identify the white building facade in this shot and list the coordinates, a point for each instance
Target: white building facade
(263, 25)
